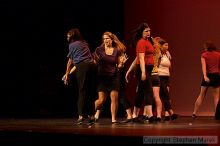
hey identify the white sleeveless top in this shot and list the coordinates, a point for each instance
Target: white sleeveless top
(165, 64)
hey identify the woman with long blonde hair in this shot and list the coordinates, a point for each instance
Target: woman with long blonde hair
(109, 61)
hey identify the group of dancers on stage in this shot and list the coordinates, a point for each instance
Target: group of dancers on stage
(102, 74)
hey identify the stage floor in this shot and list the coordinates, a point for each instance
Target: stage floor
(61, 131)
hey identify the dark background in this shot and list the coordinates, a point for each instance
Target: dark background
(33, 36)
(34, 48)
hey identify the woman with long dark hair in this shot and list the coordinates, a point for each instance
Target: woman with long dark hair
(79, 56)
(144, 63)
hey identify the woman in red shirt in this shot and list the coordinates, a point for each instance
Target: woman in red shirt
(210, 60)
(144, 65)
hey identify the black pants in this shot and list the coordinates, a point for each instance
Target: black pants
(85, 75)
(145, 90)
(164, 93)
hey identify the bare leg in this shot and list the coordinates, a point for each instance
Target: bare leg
(149, 110)
(200, 98)
(80, 116)
(145, 111)
(97, 114)
(166, 113)
(129, 113)
(156, 92)
(114, 104)
(99, 102)
(136, 112)
(171, 112)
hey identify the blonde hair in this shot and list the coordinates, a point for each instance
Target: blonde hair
(157, 54)
(116, 42)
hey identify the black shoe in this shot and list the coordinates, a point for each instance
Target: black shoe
(167, 118)
(142, 117)
(152, 119)
(126, 121)
(137, 120)
(146, 118)
(96, 120)
(194, 116)
(174, 116)
(91, 121)
(158, 119)
(115, 123)
(79, 121)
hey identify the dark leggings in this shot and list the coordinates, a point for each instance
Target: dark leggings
(85, 76)
(164, 93)
(144, 90)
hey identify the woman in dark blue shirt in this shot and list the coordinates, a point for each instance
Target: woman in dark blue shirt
(80, 56)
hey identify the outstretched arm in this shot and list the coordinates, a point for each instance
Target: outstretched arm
(132, 66)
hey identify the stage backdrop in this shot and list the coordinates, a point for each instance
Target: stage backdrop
(185, 25)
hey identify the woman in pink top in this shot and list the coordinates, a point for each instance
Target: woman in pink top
(210, 60)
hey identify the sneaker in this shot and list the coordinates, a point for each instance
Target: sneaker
(167, 118)
(79, 121)
(91, 121)
(194, 116)
(174, 116)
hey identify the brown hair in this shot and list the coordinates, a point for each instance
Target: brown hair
(209, 46)
(75, 34)
(115, 41)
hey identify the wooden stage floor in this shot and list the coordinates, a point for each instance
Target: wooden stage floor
(64, 132)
